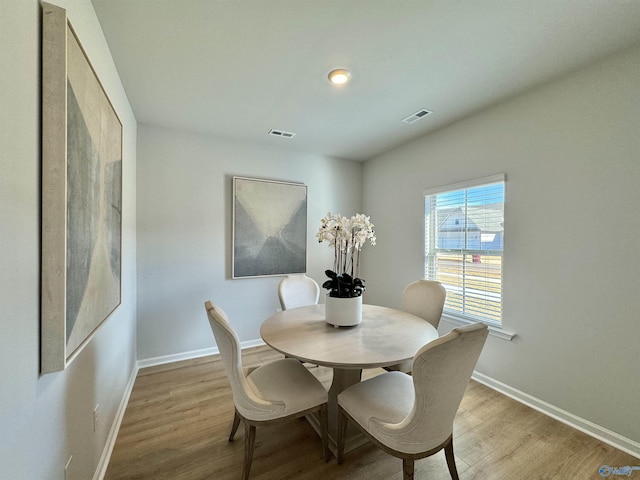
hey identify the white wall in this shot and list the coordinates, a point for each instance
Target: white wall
(571, 153)
(44, 420)
(184, 238)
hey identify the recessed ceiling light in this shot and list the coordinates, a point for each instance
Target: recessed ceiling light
(339, 76)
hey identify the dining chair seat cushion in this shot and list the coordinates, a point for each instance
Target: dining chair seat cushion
(289, 382)
(386, 398)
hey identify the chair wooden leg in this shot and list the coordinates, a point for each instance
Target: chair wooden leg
(407, 469)
(342, 433)
(234, 427)
(324, 425)
(249, 445)
(451, 461)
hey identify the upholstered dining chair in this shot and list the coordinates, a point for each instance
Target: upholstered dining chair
(298, 291)
(274, 392)
(424, 299)
(411, 417)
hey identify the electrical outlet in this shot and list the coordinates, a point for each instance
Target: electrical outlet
(67, 469)
(96, 417)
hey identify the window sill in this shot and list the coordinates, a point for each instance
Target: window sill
(493, 330)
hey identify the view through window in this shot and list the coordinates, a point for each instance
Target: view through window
(464, 240)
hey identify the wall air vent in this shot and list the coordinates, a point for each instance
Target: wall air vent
(417, 116)
(281, 133)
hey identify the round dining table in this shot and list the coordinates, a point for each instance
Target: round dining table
(385, 337)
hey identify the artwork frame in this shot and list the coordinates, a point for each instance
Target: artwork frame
(81, 247)
(269, 231)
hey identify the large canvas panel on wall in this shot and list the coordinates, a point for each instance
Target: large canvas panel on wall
(269, 228)
(81, 196)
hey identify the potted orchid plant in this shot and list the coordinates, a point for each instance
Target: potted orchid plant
(346, 236)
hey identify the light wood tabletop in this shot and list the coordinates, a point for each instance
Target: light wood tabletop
(384, 337)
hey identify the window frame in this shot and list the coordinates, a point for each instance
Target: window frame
(431, 230)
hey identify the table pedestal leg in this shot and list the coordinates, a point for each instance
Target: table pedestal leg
(342, 379)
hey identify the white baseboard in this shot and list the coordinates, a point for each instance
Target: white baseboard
(103, 463)
(177, 357)
(607, 436)
(204, 352)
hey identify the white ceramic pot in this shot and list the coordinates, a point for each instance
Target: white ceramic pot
(343, 312)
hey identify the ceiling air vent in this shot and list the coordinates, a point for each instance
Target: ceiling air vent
(417, 116)
(281, 133)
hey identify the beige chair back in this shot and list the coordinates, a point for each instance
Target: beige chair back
(246, 401)
(425, 299)
(298, 291)
(441, 372)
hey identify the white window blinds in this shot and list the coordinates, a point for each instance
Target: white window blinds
(464, 239)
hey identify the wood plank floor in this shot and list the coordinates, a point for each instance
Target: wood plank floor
(177, 424)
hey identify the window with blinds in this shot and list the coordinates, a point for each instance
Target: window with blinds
(464, 240)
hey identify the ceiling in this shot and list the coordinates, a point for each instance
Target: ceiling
(239, 68)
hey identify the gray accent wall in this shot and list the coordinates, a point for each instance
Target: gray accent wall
(571, 154)
(46, 419)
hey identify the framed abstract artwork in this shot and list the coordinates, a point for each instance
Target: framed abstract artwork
(81, 197)
(269, 228)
